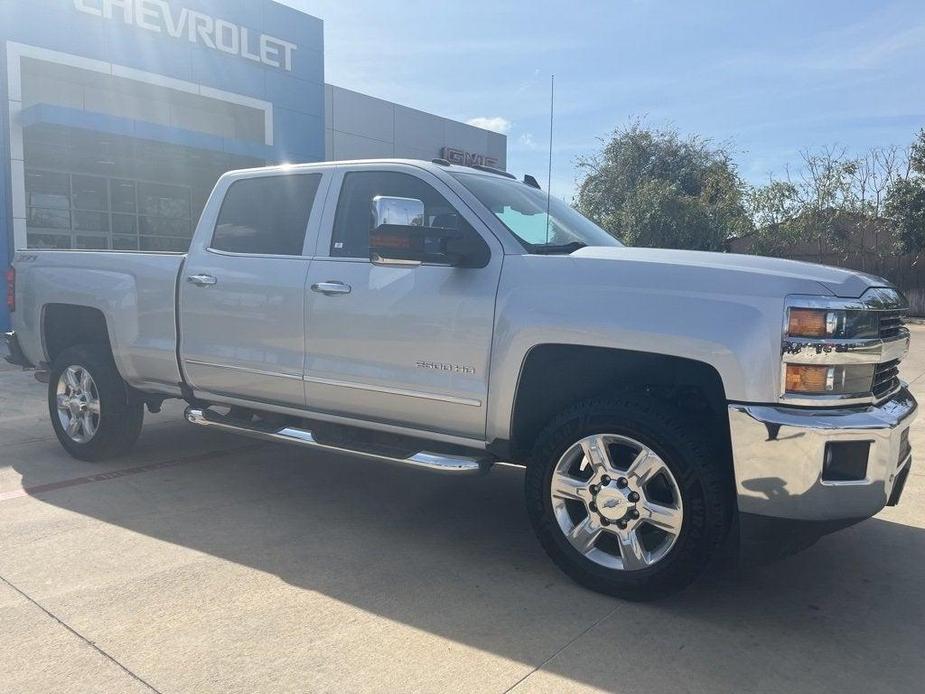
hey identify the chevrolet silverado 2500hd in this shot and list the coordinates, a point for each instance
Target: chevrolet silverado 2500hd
(664, 403)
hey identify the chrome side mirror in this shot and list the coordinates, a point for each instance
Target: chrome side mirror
(405, 212)
(400, 236)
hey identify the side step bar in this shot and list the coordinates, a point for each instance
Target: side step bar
(435, 462)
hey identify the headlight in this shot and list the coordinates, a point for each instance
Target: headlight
(833, 324)
(842, 351)
(803, 379)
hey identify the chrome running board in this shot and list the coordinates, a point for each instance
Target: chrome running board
(435, 462)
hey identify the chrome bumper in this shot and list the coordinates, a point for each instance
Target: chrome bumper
(778, 457)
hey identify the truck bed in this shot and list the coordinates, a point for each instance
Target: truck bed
(135, 292)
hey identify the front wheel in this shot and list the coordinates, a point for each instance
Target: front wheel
(628, 497)
(91, 412)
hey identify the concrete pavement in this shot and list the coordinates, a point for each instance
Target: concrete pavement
(211, 563)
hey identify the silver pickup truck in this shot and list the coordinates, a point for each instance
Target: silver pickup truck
(667, 405)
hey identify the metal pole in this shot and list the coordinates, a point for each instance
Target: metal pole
(552, 102)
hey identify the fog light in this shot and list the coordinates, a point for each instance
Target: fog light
(845, 461)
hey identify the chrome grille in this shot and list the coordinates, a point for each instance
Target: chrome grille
(890, 323)
(886, 375)
(886, 378)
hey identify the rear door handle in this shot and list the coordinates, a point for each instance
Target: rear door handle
(331, 288)
(202, 280)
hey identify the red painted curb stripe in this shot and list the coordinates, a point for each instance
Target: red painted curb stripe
(116, 474)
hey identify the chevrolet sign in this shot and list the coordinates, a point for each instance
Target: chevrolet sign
(158, 16)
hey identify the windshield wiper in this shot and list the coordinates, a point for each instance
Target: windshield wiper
(551, 249)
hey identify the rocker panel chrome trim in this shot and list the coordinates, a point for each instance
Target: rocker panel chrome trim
(258, 372)
(394, 391)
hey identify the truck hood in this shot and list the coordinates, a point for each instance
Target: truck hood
(837, 281)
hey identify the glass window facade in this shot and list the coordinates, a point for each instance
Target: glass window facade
(88, 190)
(69, 210)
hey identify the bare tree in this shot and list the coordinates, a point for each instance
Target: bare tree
(835, 204)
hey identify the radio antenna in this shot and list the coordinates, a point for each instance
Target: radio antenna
(552, 103)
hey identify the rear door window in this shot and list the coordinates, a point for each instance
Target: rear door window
(266, 215)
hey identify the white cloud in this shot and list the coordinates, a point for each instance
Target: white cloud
(496, 123)
(526, 140)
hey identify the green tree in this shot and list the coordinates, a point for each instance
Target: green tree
(905, 205)
(653, 187)
(776, 209)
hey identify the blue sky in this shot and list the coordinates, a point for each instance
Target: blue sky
(768, 78)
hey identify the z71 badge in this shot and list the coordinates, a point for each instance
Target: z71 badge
(453, 368)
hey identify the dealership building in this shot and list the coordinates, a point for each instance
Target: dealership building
(118, 116)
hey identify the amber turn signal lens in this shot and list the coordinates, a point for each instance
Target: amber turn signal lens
(807, 322)
(807, 379)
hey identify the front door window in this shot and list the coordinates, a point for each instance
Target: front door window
(354, 218)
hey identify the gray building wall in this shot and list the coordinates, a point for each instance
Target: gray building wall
(357, 126)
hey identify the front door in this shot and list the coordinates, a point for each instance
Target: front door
(242, 294)
(404, 345)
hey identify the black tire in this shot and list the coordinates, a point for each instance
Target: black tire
(120, 418)
(696, 462)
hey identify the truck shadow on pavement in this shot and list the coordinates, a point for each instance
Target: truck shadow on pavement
(457, 558)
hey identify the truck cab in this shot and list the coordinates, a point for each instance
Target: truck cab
(389, 341)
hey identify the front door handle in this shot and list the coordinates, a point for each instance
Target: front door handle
(202, 280)
(331, 288)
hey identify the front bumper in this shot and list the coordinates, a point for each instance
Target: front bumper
(778, 455)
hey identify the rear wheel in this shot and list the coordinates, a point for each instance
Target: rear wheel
(91, 411)
(628, 496)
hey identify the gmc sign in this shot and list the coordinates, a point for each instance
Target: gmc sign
(460, 156)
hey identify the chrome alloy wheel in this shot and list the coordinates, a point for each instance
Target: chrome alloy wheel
(78, 402)
(616, 502)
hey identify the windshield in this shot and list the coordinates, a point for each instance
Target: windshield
(522, 209)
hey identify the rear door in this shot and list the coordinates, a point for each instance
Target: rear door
(242, 290)
(407, 345)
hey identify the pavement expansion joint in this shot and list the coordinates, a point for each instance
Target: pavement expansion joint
(80, 636)
(559, 650)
